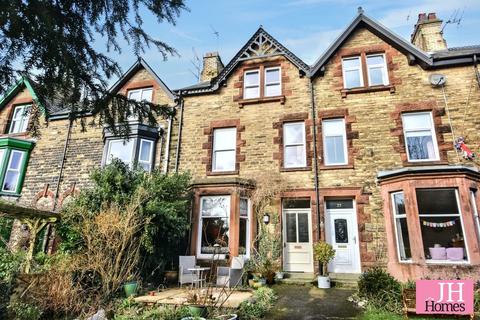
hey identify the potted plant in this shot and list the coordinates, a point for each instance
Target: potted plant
(324, 253)
(171, 276)
(130, 288)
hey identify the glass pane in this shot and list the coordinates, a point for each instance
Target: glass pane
(242, 239)
(399, 203)
(341, 230)
(293, 133)
(122, 150)
(147, 95)
(15, 126)
(216, 206)
(253, 92)
(339, 204)
(145, 150)
(2, 153)
(334, 150)
(437, 201)
(224, 161)
(272, 75)
(294, 156)
(11, 180)
(351, 63)
(15, 160)
(415, 121)
(303, 227)
(443, 238)
(420, 147)
(273, 90)
(215, 231)
(135, 95)
(243, 207)
(371, 60)
(252, 78)
(352, 79)
(403, 239)
(291, 227)
(376, 76)
(333, 127)
(145, 166)
(224, 139)
(296, 203)
(18, 113)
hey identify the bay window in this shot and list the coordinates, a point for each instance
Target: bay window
(441, 225)
(214, 225)
(476, 217)
(14, 155)
(133, 152)
(420, 139)
(294, 145)
(334, 142)
(20, 118)
(121, 150)
(244, 228)
(401, 227)
(224, 149)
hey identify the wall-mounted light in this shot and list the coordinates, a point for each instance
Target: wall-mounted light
(266, 218)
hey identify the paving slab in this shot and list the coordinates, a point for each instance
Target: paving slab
(310, 303)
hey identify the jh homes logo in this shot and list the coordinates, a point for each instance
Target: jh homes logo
(444, 296)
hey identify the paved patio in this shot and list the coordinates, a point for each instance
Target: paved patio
(308, 303)
(179, 296)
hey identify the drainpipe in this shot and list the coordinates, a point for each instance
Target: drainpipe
(180, 126)
(315, 159)
(167, 148)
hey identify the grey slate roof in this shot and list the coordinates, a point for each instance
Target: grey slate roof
(456, 52)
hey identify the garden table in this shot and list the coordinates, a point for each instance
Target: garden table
(201, 276)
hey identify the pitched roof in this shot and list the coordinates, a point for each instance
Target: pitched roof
(139, 64)
(361, 20)
(261, 44)
(23, 82)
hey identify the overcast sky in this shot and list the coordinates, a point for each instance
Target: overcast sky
(306, 27)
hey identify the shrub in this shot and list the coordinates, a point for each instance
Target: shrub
(261, 302)
(24, 311)
(323, 252)
(381, 290)
(129, 310)
(10, 264)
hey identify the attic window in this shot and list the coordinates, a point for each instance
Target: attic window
(20, 117)
(264, 82)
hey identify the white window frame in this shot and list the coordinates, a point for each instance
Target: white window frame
(248, 239)
(108, 159)
(395, 217)
(141, 90)
(383, 65)
(359, 69)
(274, 83)
(200, 227)
(215, 150)
(459, 214)
(23, 118)
(432, 132)
(257, 85)
(19, 170)
(344, 136)
(150, 160)
(476, 217)
(304, 144)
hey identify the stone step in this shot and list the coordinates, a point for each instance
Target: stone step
(300, 278)
(344, 280)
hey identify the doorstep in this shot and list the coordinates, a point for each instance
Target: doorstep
(299, 278)
(344, 280)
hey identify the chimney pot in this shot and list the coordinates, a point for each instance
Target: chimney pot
(432, 16)
(427, 34)
(422, 17)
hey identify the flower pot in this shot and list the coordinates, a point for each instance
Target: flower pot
(196, 311)
(279, 275)
(193, 318)
(130, 288)
(171, 277)
(232, 316)
(323, 282)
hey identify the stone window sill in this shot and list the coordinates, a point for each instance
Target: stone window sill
(308, 168)
(346, 92)
(243, 102)
(424, 163)
(222, 173)
(9, 194)
(336, 167)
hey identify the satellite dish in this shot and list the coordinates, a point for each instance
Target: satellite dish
(437, 79)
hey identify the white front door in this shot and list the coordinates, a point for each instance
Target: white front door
(342, 233)
(297, 240)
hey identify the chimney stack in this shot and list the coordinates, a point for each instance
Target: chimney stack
(212, 66)
(427, 34)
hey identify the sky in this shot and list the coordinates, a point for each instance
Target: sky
(305, 27)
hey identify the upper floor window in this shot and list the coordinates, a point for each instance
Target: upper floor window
(262, 82)
(133, 151)
(334, 142)
(20, 117)
(420, 140)
(294, 145)
(352, 72)
(224, 149)
(377, 70)
(354, 69)
(144, 94)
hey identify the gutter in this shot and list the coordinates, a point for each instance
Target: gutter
(179, 140)
(315, 159)
(167, 148)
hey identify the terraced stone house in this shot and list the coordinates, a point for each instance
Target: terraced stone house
(364, 140)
